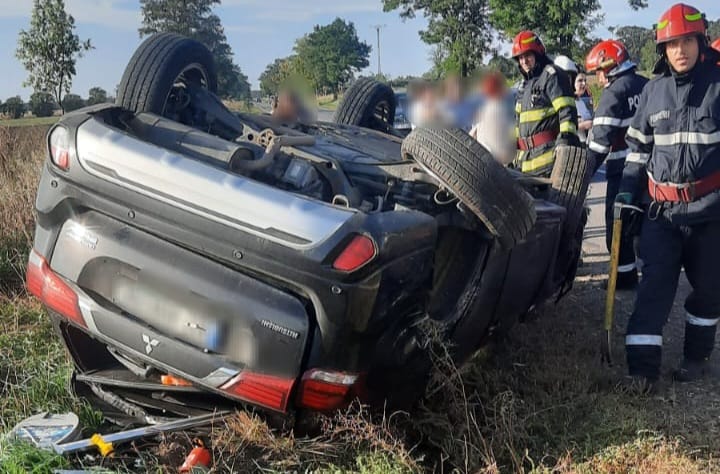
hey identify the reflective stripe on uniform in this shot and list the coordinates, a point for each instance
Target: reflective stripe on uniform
(536, 115)
(538, 162)
(618, 155)
(643, 340)
(611, 121)
(595, 146)
(634, 157)
(693, 138)
(626, 268)
(567, 127)
(639, 136)
(518, 107)
(563, 101)
(700, 321)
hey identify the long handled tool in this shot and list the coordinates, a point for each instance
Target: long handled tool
(105, 443)
(606, 344)
(605, 356)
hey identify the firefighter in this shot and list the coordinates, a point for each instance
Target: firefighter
(615, 72)
(545, 107)
(674, 165)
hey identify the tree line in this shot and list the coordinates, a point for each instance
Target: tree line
(43, 104)
(49, 49)
(463, 34)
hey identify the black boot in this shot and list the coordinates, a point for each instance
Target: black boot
(692, 370)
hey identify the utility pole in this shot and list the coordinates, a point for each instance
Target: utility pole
(377, 29)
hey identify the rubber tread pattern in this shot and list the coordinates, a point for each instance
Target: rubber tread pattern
(472, 174)
(156, 63)
(358, 105)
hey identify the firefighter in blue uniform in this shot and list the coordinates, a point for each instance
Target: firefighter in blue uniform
(545, 108)
(674, 165)
(610, 61)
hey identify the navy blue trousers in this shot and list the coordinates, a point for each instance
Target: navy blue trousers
(613, 173)
(665, 249)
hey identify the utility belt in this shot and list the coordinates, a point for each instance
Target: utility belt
(536, 140)
(685, 192)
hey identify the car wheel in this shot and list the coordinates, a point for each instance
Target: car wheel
(467, 170)
(570, 180)
(367, 103)
(158, 75)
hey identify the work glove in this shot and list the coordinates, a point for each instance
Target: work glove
(568, 139)
(624, 198)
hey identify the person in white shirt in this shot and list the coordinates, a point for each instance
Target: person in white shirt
(493, 126)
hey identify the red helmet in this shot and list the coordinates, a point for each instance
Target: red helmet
(606, 56)
(680, 20)
(716, 45)
(527, 41)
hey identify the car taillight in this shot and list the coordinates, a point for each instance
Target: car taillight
(59, 147)
(326, 390)
(358, 252)
(52, 290)
(264, 390)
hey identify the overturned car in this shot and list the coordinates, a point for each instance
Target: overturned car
(193, 258)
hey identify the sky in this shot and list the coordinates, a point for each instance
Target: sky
(259, 31)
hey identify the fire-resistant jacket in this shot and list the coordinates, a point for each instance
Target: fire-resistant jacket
(545, 102)
(675, 138)
(618, 104)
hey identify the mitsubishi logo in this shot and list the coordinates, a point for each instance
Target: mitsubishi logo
(149, 343)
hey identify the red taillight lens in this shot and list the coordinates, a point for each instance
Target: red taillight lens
(265, 390)
(359, 251)
(326, 390)
(52, 290)
(59, 144)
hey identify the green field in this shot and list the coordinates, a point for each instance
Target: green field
(29, 121)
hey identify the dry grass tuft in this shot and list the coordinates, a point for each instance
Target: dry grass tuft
(22, 152)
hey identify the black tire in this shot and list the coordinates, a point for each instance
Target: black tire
(156, 66)
(469, 171)
(570, 179)
(367, 103)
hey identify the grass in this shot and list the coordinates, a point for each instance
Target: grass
(29, 121)
(538, 402)
(328, 102)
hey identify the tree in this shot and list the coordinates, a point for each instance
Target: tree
(196, 20)
(72, 102)
(14, 107)
(42, 104)
(49, 49)
(713, 29)
(563, 25)
(97, 95)
(275, 75)
(634, 39)
(508, 67)
(648, 55)
(460, 28)
(330, 55)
